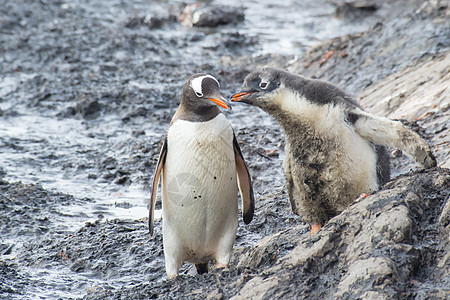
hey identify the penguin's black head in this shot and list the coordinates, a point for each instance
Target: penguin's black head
(261, 87)
(202, 91)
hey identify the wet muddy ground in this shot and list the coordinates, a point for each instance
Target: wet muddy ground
(87, 90)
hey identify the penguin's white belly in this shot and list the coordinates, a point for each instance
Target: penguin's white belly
(199, 190)
(358, 164)
(352, 166)
(355, 156)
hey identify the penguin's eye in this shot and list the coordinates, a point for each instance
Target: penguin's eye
(199, 94)
(263, 85)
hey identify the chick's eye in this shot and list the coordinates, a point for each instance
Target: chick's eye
(263, 85)
(199, 94)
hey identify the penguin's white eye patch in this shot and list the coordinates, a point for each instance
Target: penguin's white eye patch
(196, 84)
(263, 85)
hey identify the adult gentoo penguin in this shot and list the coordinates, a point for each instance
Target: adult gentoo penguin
(334, 149)
(201, 166)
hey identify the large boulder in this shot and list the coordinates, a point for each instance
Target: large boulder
(393, 244)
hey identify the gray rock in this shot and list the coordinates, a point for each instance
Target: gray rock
(211, 15)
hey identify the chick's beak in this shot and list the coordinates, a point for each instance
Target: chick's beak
(221, 101)
(238, 97)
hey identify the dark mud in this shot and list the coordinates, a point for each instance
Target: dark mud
(86, 93)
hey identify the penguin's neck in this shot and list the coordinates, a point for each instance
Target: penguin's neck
(293, 125)
(295, 113)
(196, 113)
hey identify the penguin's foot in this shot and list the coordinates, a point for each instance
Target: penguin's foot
(219, 265)
(173, 276)
(361, 196)
(315, 228)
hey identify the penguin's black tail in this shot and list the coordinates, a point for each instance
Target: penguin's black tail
(202, 268)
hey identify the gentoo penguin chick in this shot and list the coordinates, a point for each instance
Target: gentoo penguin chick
(334, 149)
(201, 166)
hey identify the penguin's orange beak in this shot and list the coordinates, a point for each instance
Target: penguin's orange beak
(221, 101)
(238, 97)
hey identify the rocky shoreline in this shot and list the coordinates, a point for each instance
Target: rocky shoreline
(393, 244)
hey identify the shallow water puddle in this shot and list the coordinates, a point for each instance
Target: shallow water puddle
(33, 151)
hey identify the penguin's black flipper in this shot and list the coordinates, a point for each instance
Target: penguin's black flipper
(156, 177)
(245, 184)
(383, 131)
